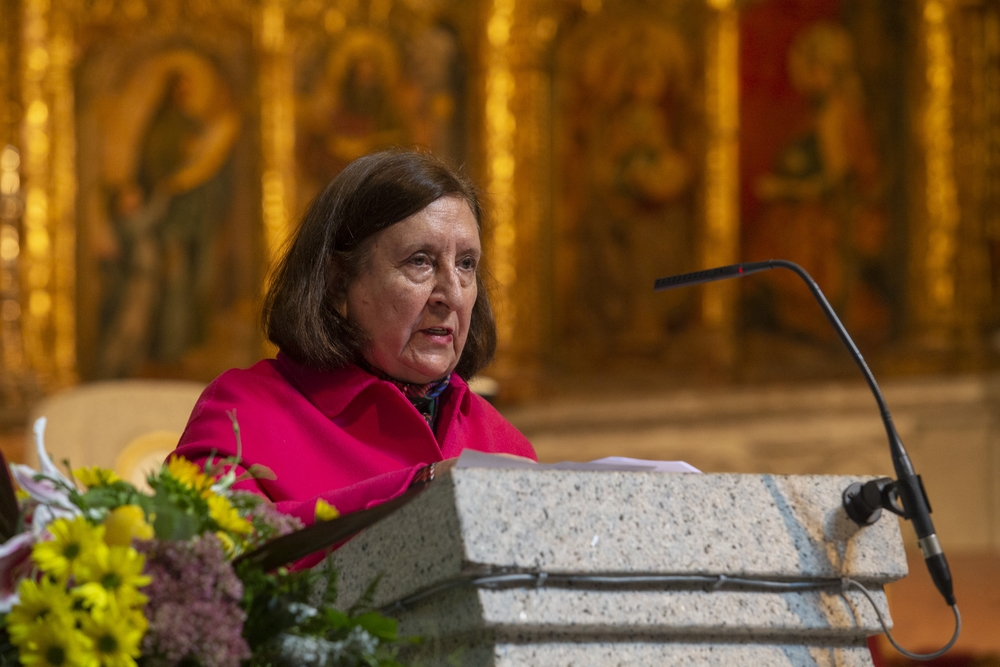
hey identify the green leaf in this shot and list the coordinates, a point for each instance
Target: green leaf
(337, 620)
(257, 471)
(367, 600)
(172, 523)
(377, 625)
(147, 504)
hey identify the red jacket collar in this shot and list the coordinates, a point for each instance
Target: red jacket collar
(332, 391)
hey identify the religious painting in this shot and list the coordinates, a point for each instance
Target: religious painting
(366, 88)
(169, 241)
(823, 131)
(628, 133)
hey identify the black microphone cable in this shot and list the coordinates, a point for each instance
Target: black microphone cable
(625, 581)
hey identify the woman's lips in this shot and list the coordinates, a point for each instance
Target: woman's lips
(438, 334)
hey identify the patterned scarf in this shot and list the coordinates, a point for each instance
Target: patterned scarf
(424, 397)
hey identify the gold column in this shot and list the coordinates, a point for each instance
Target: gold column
(62, 213)
(721, 238)
(937, 245)
(11, 205)
(36, 246)
(49, 260)
(277, 117)
(500, 165)
(11, 343)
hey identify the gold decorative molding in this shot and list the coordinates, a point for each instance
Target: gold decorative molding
(500, 162)
(48, 259)
(721, 237)
(277, 122)
(12, 363)
(941, 194)
(64, 187)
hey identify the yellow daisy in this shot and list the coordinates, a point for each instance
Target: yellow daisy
(126, 523)
(71, 540)
(115, 637)
(228, 544)
(190, 475)
(45, 600)
(112, 576)
(325, 511)
(94, 476)
(226, 516)
(55, 645)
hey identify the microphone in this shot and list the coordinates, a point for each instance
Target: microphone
(863, 503)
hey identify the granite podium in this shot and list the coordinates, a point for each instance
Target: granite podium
(508, 567)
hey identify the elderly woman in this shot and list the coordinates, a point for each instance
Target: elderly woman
(380, 315)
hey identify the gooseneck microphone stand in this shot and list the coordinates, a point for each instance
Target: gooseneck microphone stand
(864, 503)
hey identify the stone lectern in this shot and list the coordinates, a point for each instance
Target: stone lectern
(552, 568)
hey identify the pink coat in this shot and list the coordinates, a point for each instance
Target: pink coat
(344, 436)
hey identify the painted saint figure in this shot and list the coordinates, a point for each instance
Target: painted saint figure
(166, 219)
(633, 140)
(356, 107)
(823, 196)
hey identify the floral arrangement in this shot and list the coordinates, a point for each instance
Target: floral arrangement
(95, 572)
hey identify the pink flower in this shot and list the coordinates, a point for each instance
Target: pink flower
(194, 605)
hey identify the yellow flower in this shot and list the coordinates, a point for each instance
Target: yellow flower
(190, 475)
(126, 523)
(115, 636)
(112, 576)
(71, 540)
(325, 511)
(228, 545)
(226, 516)
(94, 476)
(55, 644)
(46, 600)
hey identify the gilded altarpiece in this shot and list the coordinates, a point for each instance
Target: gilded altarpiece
(607, 137)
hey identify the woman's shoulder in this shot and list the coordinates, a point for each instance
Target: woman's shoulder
(241, 386)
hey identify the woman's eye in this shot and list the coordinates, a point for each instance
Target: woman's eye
(420, 260)
(468, 263)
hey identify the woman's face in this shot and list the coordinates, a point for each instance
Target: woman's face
(415, 293)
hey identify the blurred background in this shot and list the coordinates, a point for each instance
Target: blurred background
(155, 155)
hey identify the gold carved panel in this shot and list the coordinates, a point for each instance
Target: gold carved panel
(169, 147)
(638, 102)
(616, 142)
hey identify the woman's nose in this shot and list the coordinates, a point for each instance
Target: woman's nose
(447, 287)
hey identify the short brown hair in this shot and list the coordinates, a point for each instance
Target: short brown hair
(301, 313)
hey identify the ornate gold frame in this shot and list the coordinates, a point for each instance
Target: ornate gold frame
(517, 89)
(511, 89)
(49, 254)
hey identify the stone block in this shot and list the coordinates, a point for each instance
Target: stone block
(600, 568)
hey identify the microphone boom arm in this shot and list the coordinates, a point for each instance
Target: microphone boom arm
(906, 496)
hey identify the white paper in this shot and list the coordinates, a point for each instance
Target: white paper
(473, 459)
(658, 466)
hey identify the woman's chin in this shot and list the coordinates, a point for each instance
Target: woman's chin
(428, 371)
